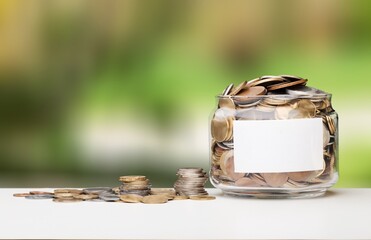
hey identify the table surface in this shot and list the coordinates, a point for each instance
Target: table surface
(340, 214)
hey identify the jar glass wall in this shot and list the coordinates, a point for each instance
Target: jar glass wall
(274, 145)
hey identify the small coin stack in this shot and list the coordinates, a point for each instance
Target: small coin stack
(138, 185)
(134, 189)
(270, 98)
(191, 182)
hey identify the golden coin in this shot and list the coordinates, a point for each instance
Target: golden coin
(287, 84)
(68, 190)
(202, 197)
(70, 200)
(65, 195)
(155, 191)
(275, 179)
(137, 183)
(308, 106)
(252, 91)
(220, 126)
(154, 199)
(237, 89)
(40, 193)
(131, 198)
(21, 194)
(180, 197)
(132, 178)
(265, 81)
(331, 125)
(86, 196)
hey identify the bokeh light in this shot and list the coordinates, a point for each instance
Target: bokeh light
(90, 89)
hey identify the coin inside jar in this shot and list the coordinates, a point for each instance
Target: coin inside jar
(275, 179)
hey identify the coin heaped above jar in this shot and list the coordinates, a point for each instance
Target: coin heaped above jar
(274, 137)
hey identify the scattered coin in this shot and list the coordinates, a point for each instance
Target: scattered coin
(96, 190)
(131, 198)
(68, 190)
(202, 197)
(40, 193)
(21, 194)
(39, 196)
(154, 199)
(180, 197)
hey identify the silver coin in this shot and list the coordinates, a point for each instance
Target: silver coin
(109, 197)
(40, 196)
(96, 190)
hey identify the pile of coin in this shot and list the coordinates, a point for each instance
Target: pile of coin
(134, 189)
(270, 98)
(138, 185)
(191, 182)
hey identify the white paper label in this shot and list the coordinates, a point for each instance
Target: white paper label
(278, 145)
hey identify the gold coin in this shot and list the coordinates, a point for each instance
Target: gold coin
(131, 198)
(275, 179)
(237, 89)
(308, 106)
(68, 190)
(21, 194)
(132, 178)
(220, 126)
(252, 91)
(155, 191)
(202, 197)
(86, 196)
(65, 195)
(70, 200)
(265, 81)
(287, 84)
(40, 193)
(180, 197)
(154, 199)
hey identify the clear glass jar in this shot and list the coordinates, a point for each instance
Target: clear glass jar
(274, 145)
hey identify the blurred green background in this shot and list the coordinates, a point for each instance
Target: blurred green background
(91, 90)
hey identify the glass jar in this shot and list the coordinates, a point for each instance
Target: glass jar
(276, 144)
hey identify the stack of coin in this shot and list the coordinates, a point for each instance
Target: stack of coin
(134, 189)
(270, 98)
(138, 185)
(190, 182)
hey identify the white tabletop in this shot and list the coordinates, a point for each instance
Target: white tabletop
(341, 214)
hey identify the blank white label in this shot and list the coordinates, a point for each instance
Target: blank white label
(278, 145)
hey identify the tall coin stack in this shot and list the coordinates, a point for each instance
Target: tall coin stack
(191, 182)
(138, 185)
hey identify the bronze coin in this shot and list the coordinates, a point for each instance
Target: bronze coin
(287, 84)
(275, 179)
